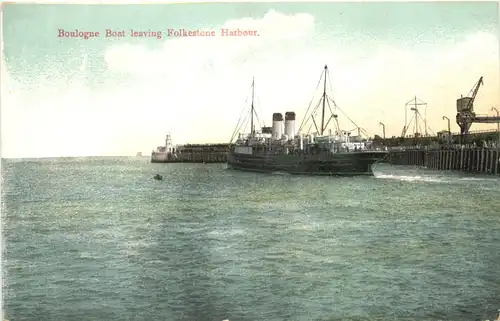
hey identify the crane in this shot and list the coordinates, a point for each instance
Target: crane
(465, 111)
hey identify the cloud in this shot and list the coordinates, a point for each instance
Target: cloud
(197, 87)
(192, 54)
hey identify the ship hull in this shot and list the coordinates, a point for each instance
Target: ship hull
(341, 164)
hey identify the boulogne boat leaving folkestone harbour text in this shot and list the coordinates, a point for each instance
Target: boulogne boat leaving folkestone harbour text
(281, 149)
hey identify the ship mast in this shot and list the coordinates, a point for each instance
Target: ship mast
(243, 121)
(252, 129)
(324, 100)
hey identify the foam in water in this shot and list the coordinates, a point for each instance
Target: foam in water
(409, 178)
(280, 173)
(450, 178)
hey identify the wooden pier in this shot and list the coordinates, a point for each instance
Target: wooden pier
(466, 159)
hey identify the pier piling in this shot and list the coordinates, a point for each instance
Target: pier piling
(467, 159)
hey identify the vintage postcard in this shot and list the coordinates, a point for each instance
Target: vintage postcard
(250, 161)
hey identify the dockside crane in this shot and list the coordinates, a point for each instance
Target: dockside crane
(465, 111)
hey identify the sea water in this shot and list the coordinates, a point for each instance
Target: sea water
(100, 239)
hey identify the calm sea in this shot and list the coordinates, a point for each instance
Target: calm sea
(99, 239)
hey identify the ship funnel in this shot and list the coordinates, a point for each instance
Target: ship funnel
(290, 124)
(277, 126)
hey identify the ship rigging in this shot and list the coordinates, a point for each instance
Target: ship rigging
(327, 101)
(281, 148)
(328, 108)
(242, 123)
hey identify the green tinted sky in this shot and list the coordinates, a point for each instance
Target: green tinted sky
(70, 96)
(31, 43)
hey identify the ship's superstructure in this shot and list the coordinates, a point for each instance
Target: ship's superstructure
(284, 149)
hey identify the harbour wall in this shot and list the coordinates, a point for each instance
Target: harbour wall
(478, 138)
(468, 159)
(194, 153)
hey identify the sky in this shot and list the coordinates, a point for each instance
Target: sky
(118, 96)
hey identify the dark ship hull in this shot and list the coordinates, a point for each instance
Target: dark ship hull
(338, 164)
(281, 148)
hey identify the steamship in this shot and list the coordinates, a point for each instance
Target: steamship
(281, 149)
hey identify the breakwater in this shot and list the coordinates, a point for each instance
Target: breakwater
(459, 158)
(194, 153)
